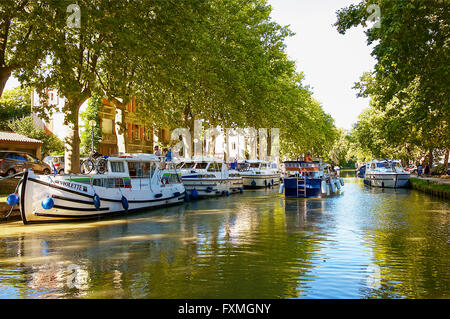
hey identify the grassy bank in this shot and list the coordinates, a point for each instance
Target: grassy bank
(431, 187)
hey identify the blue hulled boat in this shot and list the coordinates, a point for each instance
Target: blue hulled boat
(310, 179)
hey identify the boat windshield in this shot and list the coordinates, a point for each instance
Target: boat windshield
(201, 165)
(188, 165)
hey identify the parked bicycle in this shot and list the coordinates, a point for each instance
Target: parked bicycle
(95, 161)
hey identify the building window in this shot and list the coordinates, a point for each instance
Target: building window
(135, 130)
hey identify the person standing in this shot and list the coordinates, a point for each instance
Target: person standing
(419, 170)
(308, 157)
(157, 152)
(427, 170)
(169, 154)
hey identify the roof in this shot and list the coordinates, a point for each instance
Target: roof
(15, 137)
(203, 160)
(135, 157)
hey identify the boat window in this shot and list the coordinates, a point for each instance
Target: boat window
(188, 165)
(117, 167)
(140, 169)
(254, 165)
(201, 165)
(174, 178)
(127, 182)
(165, 178)
(118, 182)
(373, 166)
(97, 182)
(109, 183)
(213, 167)
(179, 165)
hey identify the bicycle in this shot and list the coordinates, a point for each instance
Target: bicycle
(95, 161)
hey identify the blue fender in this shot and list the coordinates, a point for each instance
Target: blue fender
(47, 203)
(96, 201)
(186, 197)
(124, 201)
(241, 190)
(253, 183)
(12, 199)
(194, 193)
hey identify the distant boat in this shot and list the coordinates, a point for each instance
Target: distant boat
(310, 179)
(386, 173)
(208, 177)
(131, 182)
(258, 173)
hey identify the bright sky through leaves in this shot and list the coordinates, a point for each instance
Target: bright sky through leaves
(331, 62)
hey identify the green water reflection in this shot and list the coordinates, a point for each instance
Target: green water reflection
(254, 245)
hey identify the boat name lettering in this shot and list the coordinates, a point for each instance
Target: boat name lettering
(72, 185)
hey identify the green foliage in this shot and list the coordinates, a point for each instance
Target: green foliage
(410, 107)
(14, 104)
(24, 33)
(223, 61)
(51, 144)
(95, 105)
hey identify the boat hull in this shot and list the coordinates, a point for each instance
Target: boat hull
(74, 200)
(260, 181)
(387, 180)
(315, 187)
(207, 187)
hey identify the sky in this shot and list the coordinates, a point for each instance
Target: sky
(331, 62)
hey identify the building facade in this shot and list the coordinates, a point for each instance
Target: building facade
(122, 130)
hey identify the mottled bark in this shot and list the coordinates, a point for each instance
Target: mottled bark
(5, 73)
(446, 160)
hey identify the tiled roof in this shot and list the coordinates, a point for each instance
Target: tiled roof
(14, 137)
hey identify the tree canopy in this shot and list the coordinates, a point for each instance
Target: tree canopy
(408, 87)
(222, 61)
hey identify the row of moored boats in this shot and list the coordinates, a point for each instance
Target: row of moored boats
(135, 182)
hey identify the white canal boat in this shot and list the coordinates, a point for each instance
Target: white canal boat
(132, 182)
(258, 173)
(386, 173)
(208, 177)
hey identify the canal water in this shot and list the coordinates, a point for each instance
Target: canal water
(364, 243)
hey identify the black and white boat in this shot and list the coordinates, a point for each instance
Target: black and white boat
(258, 173)
(208, 177)
(131, 182)
(386, 173)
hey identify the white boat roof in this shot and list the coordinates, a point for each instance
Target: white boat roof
(135, 157)
(254, 161)
(203, 159)
(383, 160)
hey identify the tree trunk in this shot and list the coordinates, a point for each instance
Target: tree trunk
(120, 128)
(5, 73)
(446, 160)
(72, 147)
(430, 160)
(72, 140)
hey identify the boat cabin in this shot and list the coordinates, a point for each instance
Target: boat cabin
(130, 171)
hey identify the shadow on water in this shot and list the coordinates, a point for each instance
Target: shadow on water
(254, 245)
